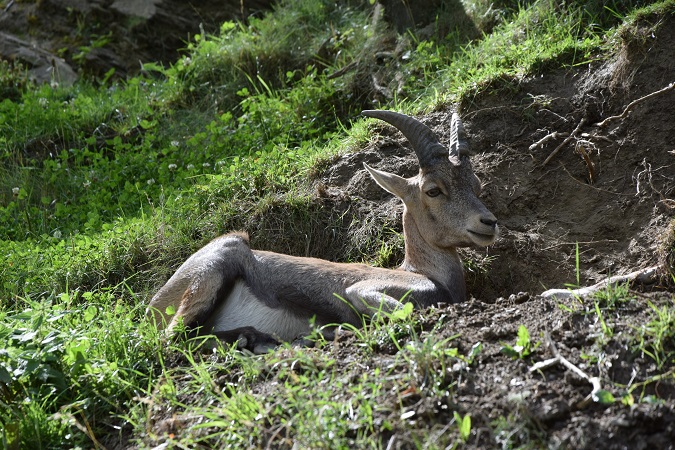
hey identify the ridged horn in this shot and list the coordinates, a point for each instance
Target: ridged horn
(458, 143)
(423, 140)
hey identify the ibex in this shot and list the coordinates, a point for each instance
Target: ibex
(258, 298)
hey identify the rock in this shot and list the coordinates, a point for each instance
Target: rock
(138, 8)
(43, 66)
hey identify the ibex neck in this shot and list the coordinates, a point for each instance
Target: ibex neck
(442, 265)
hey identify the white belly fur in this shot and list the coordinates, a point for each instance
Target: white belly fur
(243, 309)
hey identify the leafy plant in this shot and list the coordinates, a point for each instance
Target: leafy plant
(656, 338)
(464, 425)
(613, 295)
(523, 346)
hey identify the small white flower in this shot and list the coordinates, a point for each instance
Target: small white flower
(16, 191)
(151, 181)
(190, 166)
(43, 102)
(173, 167)
(57, 234)
(86, 184)
(175, 143)
(206, 165)
(187, 61)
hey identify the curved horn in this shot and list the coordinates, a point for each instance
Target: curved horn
(458, 144)
(423, 140)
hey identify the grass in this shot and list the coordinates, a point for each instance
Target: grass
(106, 189)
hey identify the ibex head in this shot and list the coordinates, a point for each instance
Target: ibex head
(442, 200)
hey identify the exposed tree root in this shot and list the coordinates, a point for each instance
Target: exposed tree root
(643, 276)
(633, 103)
(567, 139)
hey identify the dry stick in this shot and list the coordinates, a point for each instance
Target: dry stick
(633, 103)
(342, 71)
(567, 139)
(558, 358)
(548, 137)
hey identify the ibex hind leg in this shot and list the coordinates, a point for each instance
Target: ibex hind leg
(213, 274)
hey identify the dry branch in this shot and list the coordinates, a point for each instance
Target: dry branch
(633, 103)
(548, 137)
(572, 134)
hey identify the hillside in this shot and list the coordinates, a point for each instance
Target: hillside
(109, 185)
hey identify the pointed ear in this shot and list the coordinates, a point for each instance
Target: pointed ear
(389, 182)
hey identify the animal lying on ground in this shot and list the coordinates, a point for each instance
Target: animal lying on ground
(258, 298)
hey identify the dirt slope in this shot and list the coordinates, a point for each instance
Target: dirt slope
(610, 190)
(607, 189)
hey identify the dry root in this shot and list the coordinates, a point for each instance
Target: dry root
(643, 276)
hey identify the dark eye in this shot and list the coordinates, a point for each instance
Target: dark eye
(433, 192)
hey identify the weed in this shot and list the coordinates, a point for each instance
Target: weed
(656, 338)
(606, 329)
(613, 296)
(523, 346)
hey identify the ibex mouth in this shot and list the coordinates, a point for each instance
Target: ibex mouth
(483, 239)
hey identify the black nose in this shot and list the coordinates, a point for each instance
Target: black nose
(489, 222)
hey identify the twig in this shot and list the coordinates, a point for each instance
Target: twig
(591, 186)
(587, 159)
(545, 364)
(548, 137)
(558, 358)
(557, 149)
(9, 5)
(633, 103)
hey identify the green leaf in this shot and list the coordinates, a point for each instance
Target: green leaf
(604, 397)
(90, 313)
(523, 337)
(403, 313)
(509, 351)
(464, 425)
(146, 124)
(475, 351)
(5, 376)
(465, 428)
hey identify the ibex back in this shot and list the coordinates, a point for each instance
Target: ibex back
(259, 298)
